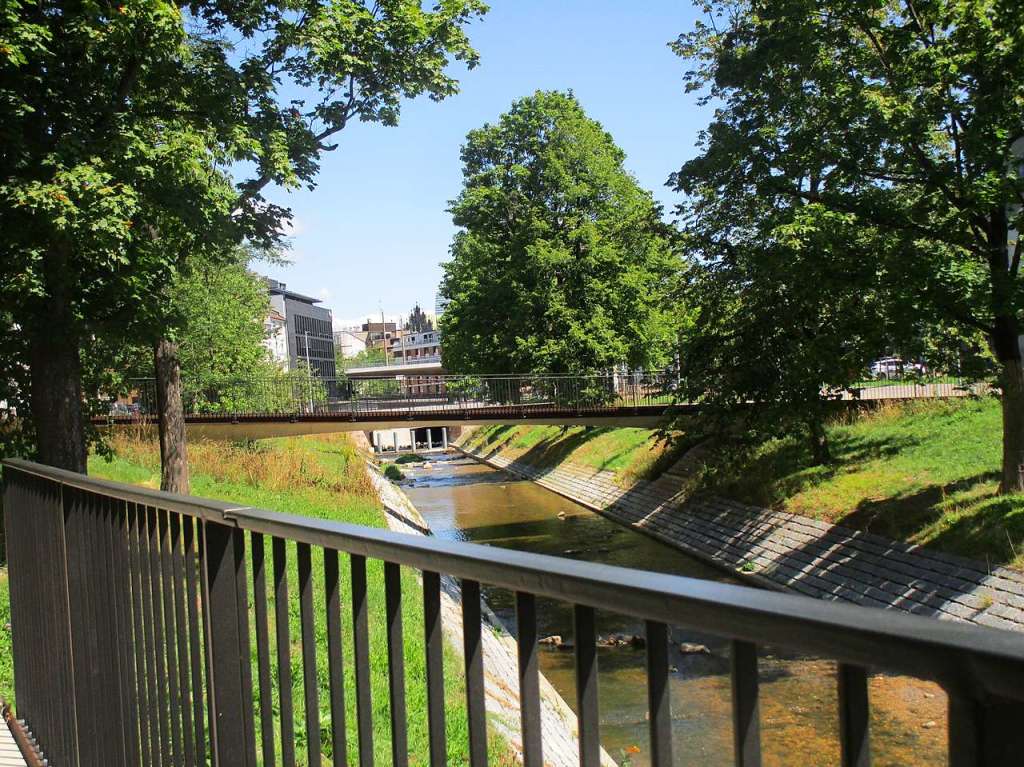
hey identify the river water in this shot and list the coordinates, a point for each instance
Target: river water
(465, 500)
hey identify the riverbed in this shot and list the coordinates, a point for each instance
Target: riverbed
(462, 499)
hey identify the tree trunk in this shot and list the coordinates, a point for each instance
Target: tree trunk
(173, 450)
(1013, 426)
(821, 454)
(56, 377)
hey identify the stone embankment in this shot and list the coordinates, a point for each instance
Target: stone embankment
(501, 676)
(788, 551)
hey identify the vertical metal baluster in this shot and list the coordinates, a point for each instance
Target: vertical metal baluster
(141, 672)
(259, 591)
(157, 623)
(230, 673)
(204, 601)
(854, 716)
(361, 646)
(435, 668)
(529, 678)
(178, 569)
(746, 725)
(474, 658)
(284, 660)
(658, 694)
(332, 591)
(396, 664)
(167, 600)
(195, 620)
(587, 716)
(122, 584)
(309, 654)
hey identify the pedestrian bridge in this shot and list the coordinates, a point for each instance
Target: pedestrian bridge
(291, 405)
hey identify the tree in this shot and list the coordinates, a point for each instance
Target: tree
(563, 264)
(122, 122)
(784, 321)
(368, 356)
(902, 121)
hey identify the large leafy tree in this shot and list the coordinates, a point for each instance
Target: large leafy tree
(903, 122)
(562, 264)
(122, 122)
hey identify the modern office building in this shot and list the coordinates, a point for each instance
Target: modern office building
(440, 304)
(307, 328)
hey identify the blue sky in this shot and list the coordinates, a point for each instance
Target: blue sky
(375, 231)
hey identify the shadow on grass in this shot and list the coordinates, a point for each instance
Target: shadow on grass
(905, 516)
(786, 469)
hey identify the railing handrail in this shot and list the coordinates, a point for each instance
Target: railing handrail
(968, 659)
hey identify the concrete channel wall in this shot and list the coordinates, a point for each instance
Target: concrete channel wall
(788, 551)
(501, 675)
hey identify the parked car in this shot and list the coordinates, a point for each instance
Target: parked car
(894, 367)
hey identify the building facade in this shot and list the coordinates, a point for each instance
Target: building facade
(419, 349)
(349, 343)
(275, 337)
(308, 329)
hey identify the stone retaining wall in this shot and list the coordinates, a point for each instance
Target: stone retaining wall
(501, 674)
(788, 551)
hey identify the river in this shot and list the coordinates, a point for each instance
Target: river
(462, 499)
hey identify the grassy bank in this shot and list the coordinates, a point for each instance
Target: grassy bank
(923, 472)
(630, 453)
(323, 478)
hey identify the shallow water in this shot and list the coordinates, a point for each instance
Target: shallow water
(464, 500)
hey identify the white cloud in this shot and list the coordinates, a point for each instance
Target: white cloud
(294, 227)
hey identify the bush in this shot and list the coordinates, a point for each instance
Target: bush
(410, 458)
(393, 473)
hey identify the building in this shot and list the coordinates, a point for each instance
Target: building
(349, 343)
(379, 334)
(308, 329)
(440, 304)
(421, 351)
(410, 348)
(275, 337)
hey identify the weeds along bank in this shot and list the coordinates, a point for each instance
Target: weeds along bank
(324, 478)
(920, 472)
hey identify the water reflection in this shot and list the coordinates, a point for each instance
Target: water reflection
(464, 500)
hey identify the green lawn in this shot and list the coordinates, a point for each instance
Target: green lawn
(326, 468)
(924, 472)
(629, 452)
(6, 649)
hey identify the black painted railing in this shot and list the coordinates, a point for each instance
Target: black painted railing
(443, 396)
(135, 613)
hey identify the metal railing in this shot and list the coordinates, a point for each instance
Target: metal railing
(133, 627)
(398, 361)
(396, 397)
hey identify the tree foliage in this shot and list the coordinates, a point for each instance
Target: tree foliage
(138, 135)
(861, 174)
(562, 263)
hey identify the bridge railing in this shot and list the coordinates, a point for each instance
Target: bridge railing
(401, 396)
(142, 636)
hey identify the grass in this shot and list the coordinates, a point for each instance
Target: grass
(322, 478)
(630, 453)
(923, 472)
(6, 648)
